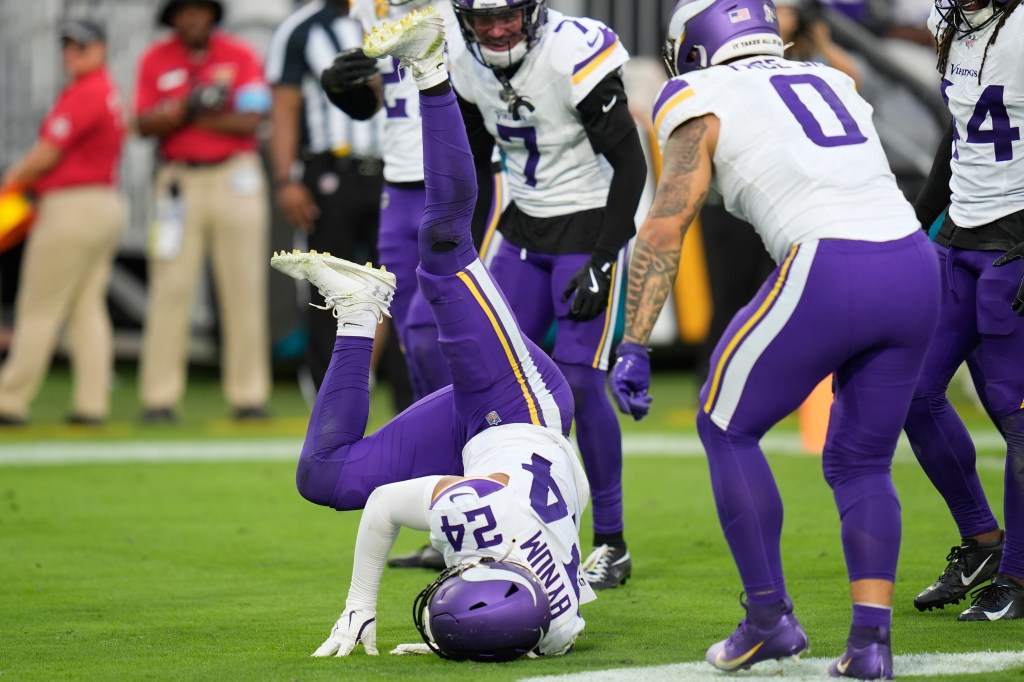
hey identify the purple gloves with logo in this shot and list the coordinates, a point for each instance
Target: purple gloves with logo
(630, 379)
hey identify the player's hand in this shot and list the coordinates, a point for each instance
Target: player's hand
(630, 380)
(353, 626)
(417, 649)
(1016, 253)
(591, 285)
(351, 69)
(297, 205)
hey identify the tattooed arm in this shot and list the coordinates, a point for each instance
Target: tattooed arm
(682, 189)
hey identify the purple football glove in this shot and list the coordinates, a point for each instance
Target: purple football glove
(630, 379)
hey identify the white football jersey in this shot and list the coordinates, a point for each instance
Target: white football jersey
(988, 141)
(552, 169)
(403, 141)
(797, 157)
(533, 521)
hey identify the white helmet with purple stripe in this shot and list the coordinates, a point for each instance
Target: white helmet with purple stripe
(504, 51)
(702, 33)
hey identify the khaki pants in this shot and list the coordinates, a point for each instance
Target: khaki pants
(225, 213)
(64, 278)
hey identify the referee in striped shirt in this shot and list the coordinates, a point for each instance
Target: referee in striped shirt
(326, 166)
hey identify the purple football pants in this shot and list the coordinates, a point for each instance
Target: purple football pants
(975, 323)
(534, 283)
(500, 376)
(862, 311)
(401, 212)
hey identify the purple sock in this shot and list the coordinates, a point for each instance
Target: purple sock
(600, 441)
(869, 513)
(749, 508)
(871, 624)
(766, 614)
(1012, 427)
(338, 419)
(946, 453)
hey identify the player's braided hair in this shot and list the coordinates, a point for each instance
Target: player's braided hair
(945, 40)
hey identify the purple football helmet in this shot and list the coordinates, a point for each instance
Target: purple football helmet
(955, 13)
(534, 13)
(702, 33)
(487, 611)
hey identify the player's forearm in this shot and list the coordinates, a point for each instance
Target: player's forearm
(652, 275)
(630, 175)
(389, 508)
(284, 137)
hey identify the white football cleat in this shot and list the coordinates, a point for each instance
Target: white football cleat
(417, 41)
(345, 286)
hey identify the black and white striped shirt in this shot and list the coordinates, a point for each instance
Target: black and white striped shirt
(302, 47)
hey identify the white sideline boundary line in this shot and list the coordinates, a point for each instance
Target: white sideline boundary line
(660, 444)
(906, 665)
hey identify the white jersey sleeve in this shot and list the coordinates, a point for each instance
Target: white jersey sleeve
(798, 156)
(369, 13)
(984, 89)
(552, 168)
(533, 520)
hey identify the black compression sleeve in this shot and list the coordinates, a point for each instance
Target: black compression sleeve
(612, 131)
(630, 175)
(604, 113)
(360, 103)
(934, 196)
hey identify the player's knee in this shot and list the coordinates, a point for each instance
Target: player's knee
(707, 430)
(311, 485)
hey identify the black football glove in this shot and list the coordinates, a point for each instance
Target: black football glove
(591, 285)
(207, 98)
(1013, 254)
(351, 69)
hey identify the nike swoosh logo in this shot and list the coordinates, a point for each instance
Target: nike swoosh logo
(593, 283)
(968, 579)
(739, 660)
(996, 615)
(608, 107)
(593, 41)
(842, 665)
(451, 498)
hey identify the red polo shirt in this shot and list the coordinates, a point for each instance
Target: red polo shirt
(169, 71)
(87, 125)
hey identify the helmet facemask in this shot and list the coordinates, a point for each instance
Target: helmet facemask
(955, 13)
(529, 14)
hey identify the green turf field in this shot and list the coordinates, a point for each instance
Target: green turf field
(218, 570)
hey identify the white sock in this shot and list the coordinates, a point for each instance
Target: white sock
(358, 323)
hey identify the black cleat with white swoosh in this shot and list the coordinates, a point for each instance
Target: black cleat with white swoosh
(969, 566)
(1002, 599)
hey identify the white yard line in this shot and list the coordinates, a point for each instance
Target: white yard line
(908, 665)
(658, 444)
